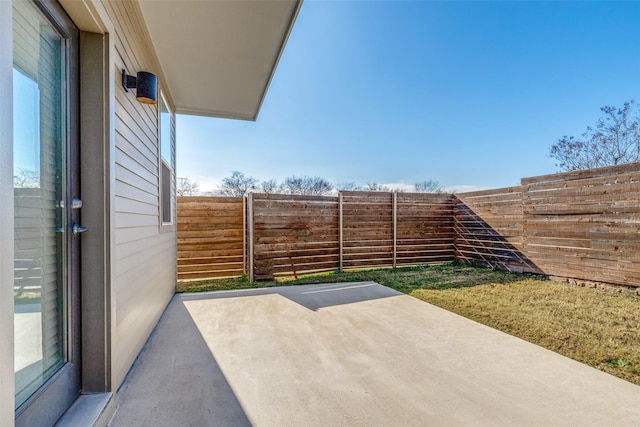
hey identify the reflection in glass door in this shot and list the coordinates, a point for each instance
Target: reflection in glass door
(42, 281)
(37, 265)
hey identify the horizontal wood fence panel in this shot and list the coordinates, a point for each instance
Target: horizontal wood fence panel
(209, 203)
(424, 228)
(213, 237)
(213, 230)
(300, 251)
(211, 274)
(580, 225)
(585, 224)
(586, 190)
(294, 234)
(489, 230)
(367, 229)
(324, 247)
(203, 249)
(213, 260)
(210, 241)
(217, 266)
(219, 221)
(608, 171)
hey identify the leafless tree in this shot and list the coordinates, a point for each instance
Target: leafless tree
(187, 187)
(26, 179)
(374, 186)
(615, 140)
(427, 186)
(270, 186)
(308, 185)
(237, 185)
(348, 186)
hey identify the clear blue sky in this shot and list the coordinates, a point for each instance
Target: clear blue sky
(465, 93)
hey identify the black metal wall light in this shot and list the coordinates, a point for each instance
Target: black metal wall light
(145, 84)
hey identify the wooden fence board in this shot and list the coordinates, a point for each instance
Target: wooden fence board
(611, 171)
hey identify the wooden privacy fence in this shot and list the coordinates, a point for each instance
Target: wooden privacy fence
(391, 229)
(287, 235)
(211, 237)
(489, 230)
(585, 224)
(301, 234)
(582, 225)
(291, 234)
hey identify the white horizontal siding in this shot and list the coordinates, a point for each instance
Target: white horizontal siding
(129, 191)
(137, 179)
(126, 235)
(142, 316)
(145, 259)
(125, 204)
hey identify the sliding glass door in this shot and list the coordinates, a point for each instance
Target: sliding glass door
(46, 262)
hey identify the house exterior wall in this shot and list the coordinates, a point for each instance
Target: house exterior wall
(144, 255)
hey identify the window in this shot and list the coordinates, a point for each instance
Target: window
(165, 128)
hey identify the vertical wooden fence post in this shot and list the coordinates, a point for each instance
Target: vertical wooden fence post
(244, 235)
(340, 235)
(527, 218)
(395, 226)
(250, 243)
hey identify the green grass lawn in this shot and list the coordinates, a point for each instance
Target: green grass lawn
(599, 328)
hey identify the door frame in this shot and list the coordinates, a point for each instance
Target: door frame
(98, 83)
(7, 385)
(97, 177)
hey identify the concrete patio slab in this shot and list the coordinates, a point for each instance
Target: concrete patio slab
(354, 354)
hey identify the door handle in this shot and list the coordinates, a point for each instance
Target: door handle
(76, 203)
(77, 229)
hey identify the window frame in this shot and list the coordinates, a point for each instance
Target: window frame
(169, 164)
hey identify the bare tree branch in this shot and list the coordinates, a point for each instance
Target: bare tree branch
(187, 187)
(428, 186)
(308, 185)
(269, 187)
(374, 186)
(615, 140)
(348, 186)
(26, 179)
(237, 185)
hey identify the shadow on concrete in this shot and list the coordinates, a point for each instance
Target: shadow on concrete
(312, 297)
(176, 380)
